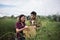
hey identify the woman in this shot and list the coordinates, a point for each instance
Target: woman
(20, 26)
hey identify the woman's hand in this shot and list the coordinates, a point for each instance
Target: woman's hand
(18, 30)
(26, 27)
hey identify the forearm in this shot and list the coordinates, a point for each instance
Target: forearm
(18, 30)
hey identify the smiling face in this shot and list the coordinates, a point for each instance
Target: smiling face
(32, 16)
(23, 19)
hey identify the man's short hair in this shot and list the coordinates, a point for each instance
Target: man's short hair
(33, 12)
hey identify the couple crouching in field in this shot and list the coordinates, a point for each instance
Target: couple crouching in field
(22, 26)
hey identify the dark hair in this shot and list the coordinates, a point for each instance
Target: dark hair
(33, 12)
(20, 17)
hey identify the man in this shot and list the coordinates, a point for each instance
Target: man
(34, 23)
(34, 20)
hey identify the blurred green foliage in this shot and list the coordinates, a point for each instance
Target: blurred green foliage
(50, 30)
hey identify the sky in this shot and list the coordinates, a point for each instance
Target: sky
(17, 7)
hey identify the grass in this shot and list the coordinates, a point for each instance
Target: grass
(48, 31)
(7, 25)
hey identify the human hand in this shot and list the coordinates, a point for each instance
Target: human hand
(26, 27)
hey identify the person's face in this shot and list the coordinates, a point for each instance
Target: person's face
(33, 16)
(23, 19)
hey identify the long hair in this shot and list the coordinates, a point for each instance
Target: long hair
(19, 18)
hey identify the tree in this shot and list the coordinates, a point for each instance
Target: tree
(12, 16)
(28, 17)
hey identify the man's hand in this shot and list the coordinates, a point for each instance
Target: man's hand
(34, 27)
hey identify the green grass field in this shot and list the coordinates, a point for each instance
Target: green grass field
(48, 31)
